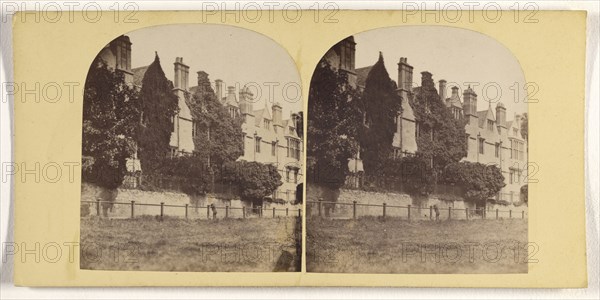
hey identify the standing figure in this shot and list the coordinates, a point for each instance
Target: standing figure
(214, 211)
(437, 212)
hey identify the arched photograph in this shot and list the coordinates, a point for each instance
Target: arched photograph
(417, 155)
(192, 153)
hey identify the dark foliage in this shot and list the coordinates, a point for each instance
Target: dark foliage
(110, 120)
(159, 106)
(332, 129)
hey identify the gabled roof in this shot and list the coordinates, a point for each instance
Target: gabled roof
(261, 114)
(485, 115)
(454, 101)
(230, 100)
(361, 75)
(138, 75)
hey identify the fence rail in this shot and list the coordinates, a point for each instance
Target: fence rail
(328, 209)
(228, 212)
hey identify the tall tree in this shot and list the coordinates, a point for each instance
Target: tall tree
(110, 120)
(332, 137)
(381, 105)
(300, 128)
(479, 182)
(525, 127)
(441, 138)
(253, 179)
(219, 137)
(159, 107)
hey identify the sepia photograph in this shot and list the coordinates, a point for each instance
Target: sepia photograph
(417, 155)
(192, 153)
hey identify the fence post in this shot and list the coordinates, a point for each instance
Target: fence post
(510, 213)
(186, 210)
(98, 207)
(484, 213)
(522, 214)
(496, 214)
(449, 212)
(299, 212)
(243, 212)
(162, 210)
(467, 213)
(320, 205)
(226, 211)
(409, 212)
(273, 212)
(207, 212)
(287, 211)
(384, 205)
(132, 205)
(430, 212)
(354, 210)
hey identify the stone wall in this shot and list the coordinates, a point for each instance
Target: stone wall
(196, 204)
(370, 204)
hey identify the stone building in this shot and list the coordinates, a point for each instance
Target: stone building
(491, 138)
(268, 137)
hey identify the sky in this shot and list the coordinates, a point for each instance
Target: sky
(235, 55)
(457, 55)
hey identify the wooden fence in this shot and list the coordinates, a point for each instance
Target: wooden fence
(222, 211)
(354, 210)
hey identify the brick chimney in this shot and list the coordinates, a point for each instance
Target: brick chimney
(182, 72)
(276, 109)
(405, 74)
(442, 90)
(219, 89)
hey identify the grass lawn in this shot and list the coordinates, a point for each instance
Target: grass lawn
(372, 245)
(225, 245)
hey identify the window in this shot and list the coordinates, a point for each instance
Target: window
(194, 130)
(287, 175)
(497, 149)
(257, 144)
(293, 148)
(173, 123)
(243, 142)
(417, 131)
(124, 64)
(481, 145)
(490, 125)
(273, 148)
(511, 176)
(467, 142)
(267, 124)
(296, 176)
(516, 150)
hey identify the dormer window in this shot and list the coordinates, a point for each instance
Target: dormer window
(490, 125)
(267, 124)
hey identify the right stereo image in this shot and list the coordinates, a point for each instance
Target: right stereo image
(417, 155)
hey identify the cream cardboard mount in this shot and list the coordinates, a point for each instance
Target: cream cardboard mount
(73, 231)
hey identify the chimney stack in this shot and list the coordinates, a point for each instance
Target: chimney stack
(219, 89)
(181, 74)
(276, 108)
(427, 80)
(470, 102)
(501, 115)
(443, 90)
(454, 91)
(405, 73)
